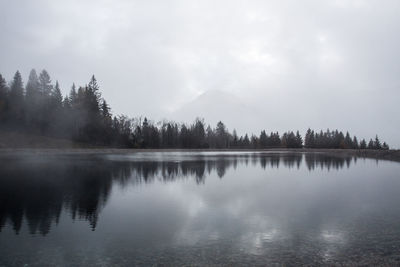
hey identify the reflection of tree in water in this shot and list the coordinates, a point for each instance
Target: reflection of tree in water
(316, 160)
(39, 189)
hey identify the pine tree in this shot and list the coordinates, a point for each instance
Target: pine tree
(33, 101)
(57, 96)
(355, 143)
(198, 133)
(377, 143)
(363, 144)
(145, 134)
(3, 100)
(348, 143)
(385, 146)
(263, 140)
(371, 144)
(16, 100)
(32, 88)
(246, 141)
(221, 135)
(93, 90)
(235, 139)
(299, 140)
(275, 140)
(184, 137)
(45, 86)
(105, 110)
(309, 140)
(73, 95)
(210, 137)
(66, 103)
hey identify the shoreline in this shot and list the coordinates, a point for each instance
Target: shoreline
(391, 155)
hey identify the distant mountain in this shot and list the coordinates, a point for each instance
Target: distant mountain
(216, 105)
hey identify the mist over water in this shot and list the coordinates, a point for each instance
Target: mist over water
(198, 208)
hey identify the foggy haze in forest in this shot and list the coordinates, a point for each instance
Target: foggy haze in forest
(273, 65)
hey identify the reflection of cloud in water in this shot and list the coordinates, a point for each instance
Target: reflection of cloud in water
(259, 231)
(332, 242)
(38, 188)
(334, 237)
(214, 205)
(256, 242)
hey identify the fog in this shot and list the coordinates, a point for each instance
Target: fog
(274, 65)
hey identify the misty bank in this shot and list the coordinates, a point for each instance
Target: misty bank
(391, 155)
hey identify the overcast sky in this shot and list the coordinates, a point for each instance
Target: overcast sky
(277, 65)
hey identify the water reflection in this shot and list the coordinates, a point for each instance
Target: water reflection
(197, 209)
(37, 189)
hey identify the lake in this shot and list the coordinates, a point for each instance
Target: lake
(198, 208)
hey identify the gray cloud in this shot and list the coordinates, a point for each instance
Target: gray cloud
(300, 64)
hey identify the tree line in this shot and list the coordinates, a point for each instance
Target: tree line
(84, 116)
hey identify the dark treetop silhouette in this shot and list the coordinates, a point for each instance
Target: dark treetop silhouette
(84, 116)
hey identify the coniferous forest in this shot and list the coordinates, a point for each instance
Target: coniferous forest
(38, 107)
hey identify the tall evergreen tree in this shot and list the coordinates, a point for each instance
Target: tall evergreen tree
(246, 141)
(32, 88)
(73, 95)
(222, 139)
(355, 143)
(210, 137)
(66, 103)
(385, 146)
(235, 139)
(377, 143)
(299, 140)
(199, 134)
(309, 139)
(263, 140)
(3, 100)
(16, 100)
(56, 96)
(45, 86)
(254, 142)
(348, 143)
(363, 144)
(371, 144)
(32, 100)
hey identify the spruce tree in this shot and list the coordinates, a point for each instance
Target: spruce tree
(309, 139)
(3, 100)
(56, 96)
(45, 86)
(263, 140)
(371, 144)
(32, 89)
(221, 135)
(33, 101)
(198, 133)
(355, 143)
(377, 143)
(348, 143)
(16, 101)
(385, 146)
(73, 95)
(363, 144)
(299, 140)
(66, 103)
(246, 141)
(235, 139)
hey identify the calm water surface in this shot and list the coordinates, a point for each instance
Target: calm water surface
(192, 208)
